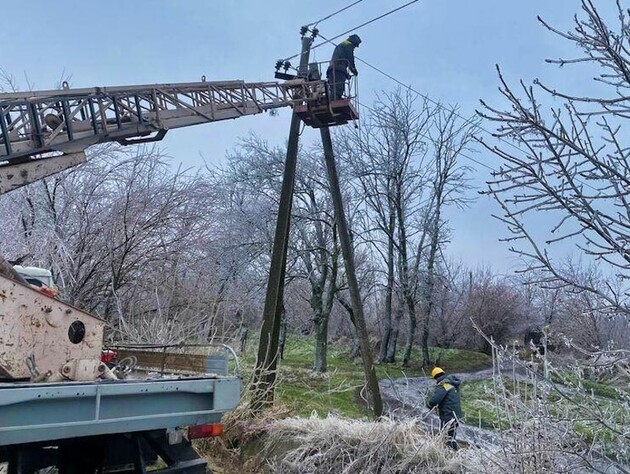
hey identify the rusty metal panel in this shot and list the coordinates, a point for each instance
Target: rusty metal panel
(44, 333)
(15, 176)
(178, 360)
(166, 361)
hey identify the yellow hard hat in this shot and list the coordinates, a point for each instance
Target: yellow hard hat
(437, 371)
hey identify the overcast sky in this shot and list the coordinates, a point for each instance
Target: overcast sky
(445, 49)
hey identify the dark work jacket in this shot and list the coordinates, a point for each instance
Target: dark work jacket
(343, 57)
(447, 398)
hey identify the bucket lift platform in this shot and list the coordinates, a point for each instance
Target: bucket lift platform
(320, 107)
(327, 114)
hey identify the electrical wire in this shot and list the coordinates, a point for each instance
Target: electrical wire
(355, 28)
(315, 23)
(364, 24)
(467, 121)
(437, 104)
(453, 111)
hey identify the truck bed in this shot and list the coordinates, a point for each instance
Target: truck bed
(31, 412)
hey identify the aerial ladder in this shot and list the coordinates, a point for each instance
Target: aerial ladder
(45, 132)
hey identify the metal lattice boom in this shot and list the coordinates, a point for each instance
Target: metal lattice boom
(70, 120)
(36, 125)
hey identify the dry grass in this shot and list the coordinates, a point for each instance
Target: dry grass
(337, 445)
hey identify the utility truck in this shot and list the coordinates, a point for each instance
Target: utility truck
(64, 401)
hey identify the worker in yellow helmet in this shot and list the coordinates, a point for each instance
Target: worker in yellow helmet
(342, 60)
(448, 400)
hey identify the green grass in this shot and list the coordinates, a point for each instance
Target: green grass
(337, 390)
(479, 405)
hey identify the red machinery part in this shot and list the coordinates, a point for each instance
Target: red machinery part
(108, 356)
(205, 431)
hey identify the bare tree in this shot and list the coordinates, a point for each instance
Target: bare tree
(448, 187)
(317, 248)
(256, 168)
(387, 159)
(566, 170)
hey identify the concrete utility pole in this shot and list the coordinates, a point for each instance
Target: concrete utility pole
(267, 360)
(353, 285)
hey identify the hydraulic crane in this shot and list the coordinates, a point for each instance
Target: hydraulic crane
(46, 132)
(55, 409)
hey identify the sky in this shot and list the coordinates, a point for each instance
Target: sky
(444, 49)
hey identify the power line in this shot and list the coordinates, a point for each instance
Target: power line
(356, 28)
(453, 111)
(364, 24)
(315, 23)
(467, 121)
(438, 104)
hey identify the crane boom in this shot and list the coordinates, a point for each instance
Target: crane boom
(36, 126)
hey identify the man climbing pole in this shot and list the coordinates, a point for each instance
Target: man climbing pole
(448, 399)
(342, 60)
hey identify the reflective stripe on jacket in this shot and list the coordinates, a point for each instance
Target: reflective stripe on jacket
(343, 57)
(447, 398)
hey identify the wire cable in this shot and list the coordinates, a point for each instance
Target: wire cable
(315, 23)
(364, 24)
(453, 111)
(437, 104)
(467, 121)
(355, 28)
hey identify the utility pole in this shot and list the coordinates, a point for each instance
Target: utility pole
(353, 285)
(267, 360)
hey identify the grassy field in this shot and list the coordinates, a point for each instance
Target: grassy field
(337, 391)
(300, 392)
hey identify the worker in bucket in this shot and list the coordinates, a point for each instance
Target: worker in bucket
(447, 398)
(342, 60)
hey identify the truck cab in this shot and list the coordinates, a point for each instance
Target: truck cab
(40, 279)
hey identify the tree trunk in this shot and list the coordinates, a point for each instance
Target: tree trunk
(387, 317)
(322, 300)
(321, 331)
(410, 335)
(404, 279)
(355, 350)
(393, 341)
(430, 280)
(428, 290)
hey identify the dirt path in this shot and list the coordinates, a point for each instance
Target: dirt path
(406, 397)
